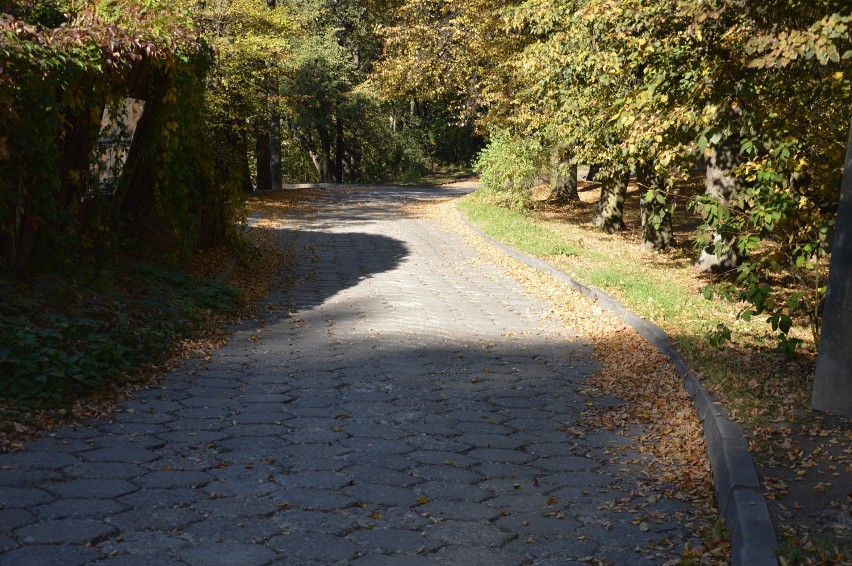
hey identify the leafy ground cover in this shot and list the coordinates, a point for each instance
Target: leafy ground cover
(804, 458)
(73, 346)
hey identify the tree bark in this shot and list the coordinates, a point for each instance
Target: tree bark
(563, 178)
(656, 212)
(263, 156)
(592, 174)
(325, 157)
(609, 212)
(338, 151)
(241, 151)
(275, 151)
(720, 184)
(137, 182)
(833, 380)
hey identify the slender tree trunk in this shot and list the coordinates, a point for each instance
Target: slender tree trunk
(721, 185)
(563, 178)
(655, 209)
(833, 380)
(338, 151)
(275, 151)
(262, 156)
(325, 161)
(609, 212)
(242, 155)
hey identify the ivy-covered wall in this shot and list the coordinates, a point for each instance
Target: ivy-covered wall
(61, 66)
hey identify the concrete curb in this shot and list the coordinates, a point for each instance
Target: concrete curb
(738, 491)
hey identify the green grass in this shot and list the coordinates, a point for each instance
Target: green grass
(516, 229)
(647, 290)
(664, 289)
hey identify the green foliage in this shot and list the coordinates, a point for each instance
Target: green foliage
(509, 166)
(60, 338)
(55, 85)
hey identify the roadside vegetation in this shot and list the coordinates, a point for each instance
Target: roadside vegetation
(802, 455)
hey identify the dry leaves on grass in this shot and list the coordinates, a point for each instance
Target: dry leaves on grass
(802, 456)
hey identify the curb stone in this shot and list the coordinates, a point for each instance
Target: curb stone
(738, 490)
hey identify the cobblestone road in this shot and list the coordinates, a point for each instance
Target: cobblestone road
(402, 404)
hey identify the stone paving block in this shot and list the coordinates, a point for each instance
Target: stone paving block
(437, 443)
(332, 523)
(37, 460)
(198, 436)
(567, 464)
(14, 518)
(230, 529)
(227, 554)
(491, 441)
(150, 543)
(441, 458)
(312, 499)
(571, 481)
(141, 559)
(539, 524)
(453, 491)
(454, 555)
(52, 555)
(53, 444)
(392, 541)
(70, 531)
(78, 509)
(383, 560)
(447, 474)
(121, 455)
(390, 495)
(93, 488)
(459, 510)
(393, 462)
(469, 533)
(7, 544)
(173, 478)
(164, 519)
(377, 475)
(23, 497)
(157, 498)
(298, 548)
(104, 470)
(22, 477)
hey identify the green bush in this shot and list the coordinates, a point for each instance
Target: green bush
(509, 166)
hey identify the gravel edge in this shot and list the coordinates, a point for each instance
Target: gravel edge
(738, 490)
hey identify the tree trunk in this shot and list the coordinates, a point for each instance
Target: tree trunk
(263, 156)
(137, 182)
(721, 185)
(655, 209)
(833, 380)
(563, 178)
(592, 174)
(325, 172)
(242, 155)
(338, 152)
(275, 151)
(609, 212)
